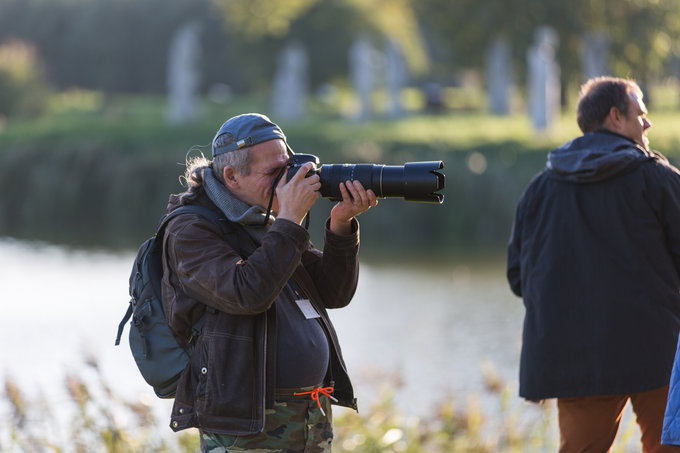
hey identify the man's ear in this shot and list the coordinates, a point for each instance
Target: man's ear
(230, 177)
(613, 120)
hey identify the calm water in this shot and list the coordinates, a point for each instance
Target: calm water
(430, 330)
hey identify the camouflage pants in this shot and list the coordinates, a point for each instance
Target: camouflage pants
(295, 426)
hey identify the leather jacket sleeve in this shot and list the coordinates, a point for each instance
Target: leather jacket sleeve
(335, 271)
(207, 269)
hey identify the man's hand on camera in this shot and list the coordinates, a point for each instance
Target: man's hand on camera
(355, 200)
(297, 196)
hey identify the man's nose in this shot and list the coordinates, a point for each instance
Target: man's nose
(646, 124)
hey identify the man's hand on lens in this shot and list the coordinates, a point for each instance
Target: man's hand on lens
(355, 200)
(297, 196)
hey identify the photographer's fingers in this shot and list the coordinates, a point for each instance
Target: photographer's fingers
(346, 196)
(306, 175)
(358, 193)
(303, 172)
(355, 200)
(353, 193)
(372, 198)
(301, 177)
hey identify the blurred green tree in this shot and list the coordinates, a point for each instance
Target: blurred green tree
(642, 32)
(23, 87)
(110, 45)
(255, 19)
(327, 28)
(121, 45)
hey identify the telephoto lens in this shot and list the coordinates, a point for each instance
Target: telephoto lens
(413, 181)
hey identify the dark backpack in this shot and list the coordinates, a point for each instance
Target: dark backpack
(159, 357)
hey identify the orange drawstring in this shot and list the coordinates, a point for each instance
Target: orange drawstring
(314, 394)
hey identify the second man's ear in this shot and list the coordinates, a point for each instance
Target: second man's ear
(613, 120)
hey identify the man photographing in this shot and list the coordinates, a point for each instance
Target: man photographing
(595, 255)
(268, 363)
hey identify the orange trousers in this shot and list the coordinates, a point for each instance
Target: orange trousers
(589, 424)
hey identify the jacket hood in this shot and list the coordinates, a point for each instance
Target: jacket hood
(595, 156)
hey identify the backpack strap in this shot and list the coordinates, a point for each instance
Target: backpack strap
(214, 217)
(122, 323)
(228, 229)
(231, 230)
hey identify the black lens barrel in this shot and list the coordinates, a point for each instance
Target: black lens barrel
(413, 181)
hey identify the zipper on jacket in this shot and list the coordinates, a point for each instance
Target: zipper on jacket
(263, 400)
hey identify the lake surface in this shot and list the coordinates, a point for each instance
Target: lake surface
(433, 331)
(434, 327)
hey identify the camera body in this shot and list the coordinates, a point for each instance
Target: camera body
(297, 161)
(413, 181)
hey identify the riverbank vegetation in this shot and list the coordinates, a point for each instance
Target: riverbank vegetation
(95, 417)
(96, 171)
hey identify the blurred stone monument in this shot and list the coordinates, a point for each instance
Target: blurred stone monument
(184, 74)
(434, 97)
(396, 77)
(290, 92)
(362, 63)
(544, 80)
(499, 76)
(595, 55)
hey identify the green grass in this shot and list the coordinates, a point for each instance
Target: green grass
(95, 417)
(137, 121)
(92, 116)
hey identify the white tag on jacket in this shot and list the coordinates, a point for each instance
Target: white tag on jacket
(307, 308)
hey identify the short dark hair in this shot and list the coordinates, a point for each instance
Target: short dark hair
(598, 96)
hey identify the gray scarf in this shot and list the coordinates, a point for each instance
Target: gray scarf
(251, 217)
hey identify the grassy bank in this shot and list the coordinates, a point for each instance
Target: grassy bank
(96, 171)
(95, 417)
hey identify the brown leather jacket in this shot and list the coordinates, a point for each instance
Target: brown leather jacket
(231, 378)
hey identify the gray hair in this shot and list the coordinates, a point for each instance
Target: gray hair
(239, 159)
